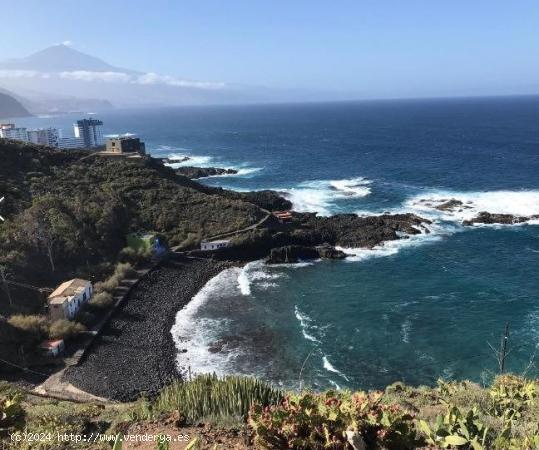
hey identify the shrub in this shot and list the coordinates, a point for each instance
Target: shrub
(456, 429)
(332, 420)
(65, 329)
(125, 270)
(32, 328)
(11, 411)
(31, 324)
(122, 270)
(101, 300)
(134, 256)
(210, 396)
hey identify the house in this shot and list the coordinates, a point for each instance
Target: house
(53, 348)
(67, 299)
(124, 144)
(283, 216)
(214, 245)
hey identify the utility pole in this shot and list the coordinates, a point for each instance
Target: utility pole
(503, 348)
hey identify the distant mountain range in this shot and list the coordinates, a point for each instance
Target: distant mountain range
(59, 58)
(60, 78)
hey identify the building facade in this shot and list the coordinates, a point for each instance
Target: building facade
(44, 136)
(90, 131)
(214, 245)
(67, 299)
(70, 142)
(10, 131)
(125, 144)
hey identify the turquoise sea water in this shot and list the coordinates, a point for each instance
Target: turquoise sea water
(417, 310)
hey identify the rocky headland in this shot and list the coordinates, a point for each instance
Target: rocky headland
(203, 172)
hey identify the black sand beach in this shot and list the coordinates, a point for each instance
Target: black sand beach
(135, 353)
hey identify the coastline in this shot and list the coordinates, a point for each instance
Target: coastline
(136, 353)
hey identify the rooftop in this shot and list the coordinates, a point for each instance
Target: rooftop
(67, 289)
(218, 241)
(121, 136)
(51, 344)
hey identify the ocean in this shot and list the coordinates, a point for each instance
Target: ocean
(415, 310)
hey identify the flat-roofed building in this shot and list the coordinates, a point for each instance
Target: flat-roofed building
(214, 245)
(44, 136)
(70, 142)
(67, 299)
(10, 131)
(125, 143)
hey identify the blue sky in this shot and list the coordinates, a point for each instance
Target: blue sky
(358, 49)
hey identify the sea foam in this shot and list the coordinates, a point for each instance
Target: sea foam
(520, 203)
(321, 195)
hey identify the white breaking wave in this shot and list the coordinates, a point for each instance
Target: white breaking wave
(389, 248)
(256, 272)
(320, 195)
(196, 333)
(519, 203)
(329, 367)
(189, 160)
(304, 321)
(193, 160)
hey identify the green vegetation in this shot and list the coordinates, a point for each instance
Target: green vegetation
(101, 300)
(208, 396)
(67, 212)
(65, 329)
(456, 415)
(73, 215)
(332, 420)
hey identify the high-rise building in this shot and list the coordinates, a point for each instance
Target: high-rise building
(44, 136)
(10, 131)
(90, 131)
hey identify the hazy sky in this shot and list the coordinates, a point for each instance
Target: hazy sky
(356, 48)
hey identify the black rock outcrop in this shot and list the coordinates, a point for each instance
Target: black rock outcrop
(202, 172)
(502, 219)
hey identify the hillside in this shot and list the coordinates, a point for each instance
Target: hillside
(10, 107)
(90, 203)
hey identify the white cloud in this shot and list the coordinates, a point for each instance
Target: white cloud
(85, 75)
(67, 43)
(115, 77)
(154, 78)
(21, 74)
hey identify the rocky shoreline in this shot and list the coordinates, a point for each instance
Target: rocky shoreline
(135, 354)
(203, 172)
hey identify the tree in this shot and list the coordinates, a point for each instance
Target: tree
(3, 271)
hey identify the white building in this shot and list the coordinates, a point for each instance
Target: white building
(90, 131)
(10, 131)
(44, 136)
(214, 245)
(70, 142)
(67, 299)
